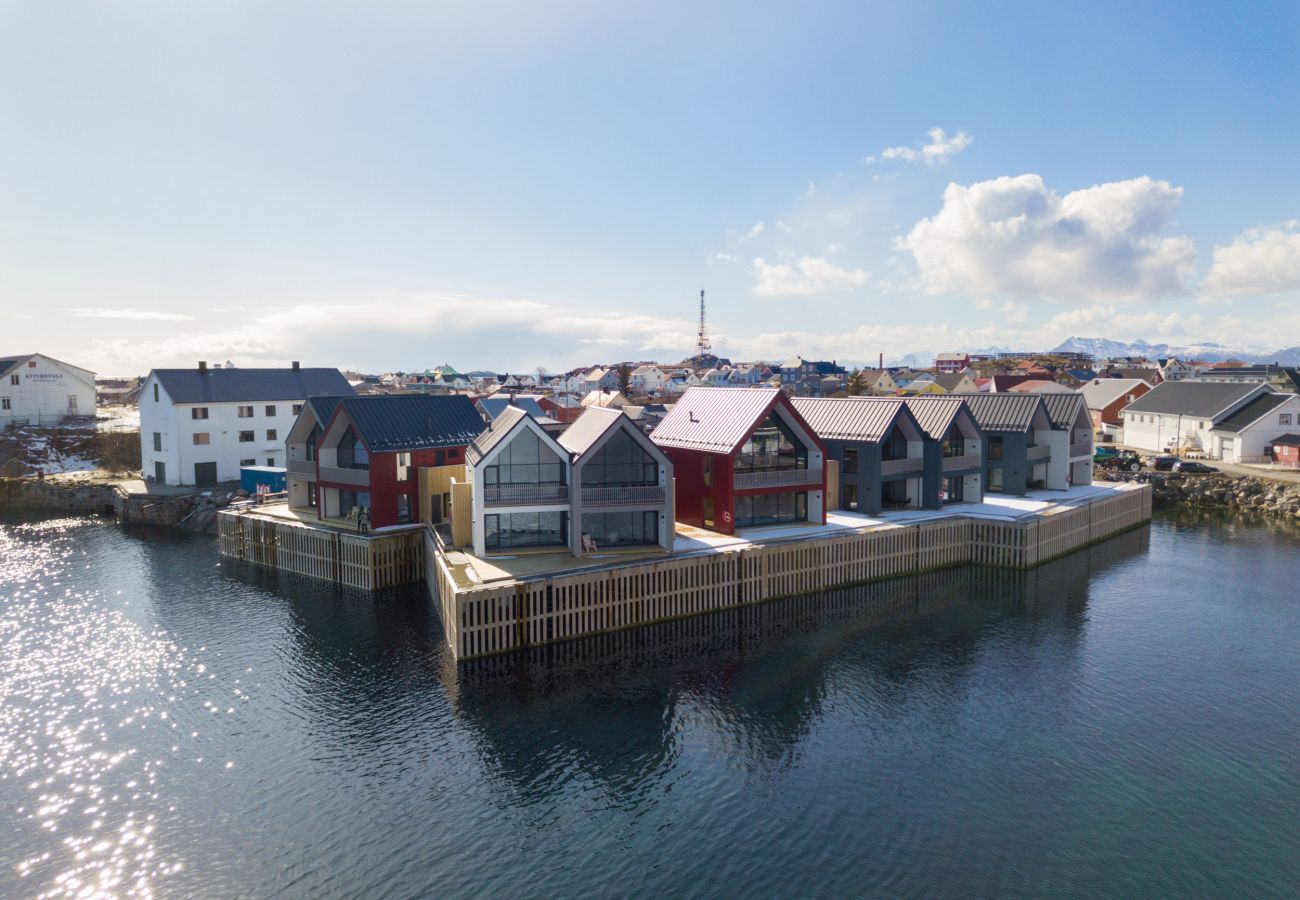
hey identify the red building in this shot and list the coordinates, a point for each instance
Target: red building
(743, 457)
(368, 452)
(1286, 450)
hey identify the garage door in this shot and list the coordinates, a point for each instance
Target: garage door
(205, 473)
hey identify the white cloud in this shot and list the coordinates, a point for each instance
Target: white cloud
(812, 190)
(783, 227)
(940, 149)
(127, 312)
(806, 277)
(723, 257)
(1260, 261)
(759, 228)
(1014, 236)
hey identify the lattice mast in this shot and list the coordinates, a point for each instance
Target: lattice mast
(702, 346)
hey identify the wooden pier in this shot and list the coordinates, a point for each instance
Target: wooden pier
(482, 619)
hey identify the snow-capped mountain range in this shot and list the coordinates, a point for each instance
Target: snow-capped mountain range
(1105, 348)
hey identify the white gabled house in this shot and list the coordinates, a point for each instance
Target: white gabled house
(1223, 420)
(36, 389)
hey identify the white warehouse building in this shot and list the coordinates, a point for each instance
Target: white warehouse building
(36, 389)
(199, 426)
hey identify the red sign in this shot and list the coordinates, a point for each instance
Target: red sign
(726, 516)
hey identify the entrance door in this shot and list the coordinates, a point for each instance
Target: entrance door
(72, 404)
(205, 473)
(160, 473)
(708, 512)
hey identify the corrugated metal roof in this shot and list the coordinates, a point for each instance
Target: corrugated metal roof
(935, 415)
(866, 419)
(493, 406)
(250, 385)
(589, 428)
(495, 433)
(1202, 399)
(1252, 412)
(9, 362)
(716, 420)
(400, 422)
(323, 407)
(1102, 392)
(1003, 412)
(1063, 409)
(1290, 440)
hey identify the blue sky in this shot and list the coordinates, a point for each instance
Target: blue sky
(391, 185)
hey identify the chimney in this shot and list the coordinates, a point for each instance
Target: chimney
(882, 361)
(296, 365)
(203, 366)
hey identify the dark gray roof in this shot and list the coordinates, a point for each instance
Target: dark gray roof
(1291, 440)
(866, 419)
(251, 385)
(1063, 409)
(1003, 412)
(492, 406)
(1202, 399)
(1252, 412)
(495, 433)
(323, 407)
(949, 380)
(400, 422)
(9, 362)
(715, 420)
(935, 415)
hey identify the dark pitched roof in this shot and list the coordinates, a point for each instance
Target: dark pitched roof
(252, 385)
(1290, 440)
(1003, 412)
(866, 419)
(493, 406)
(949, 380)
(323, 407)
(400, 422)
(495, 433)
(1202, 399)
(716, 420)
(1252, 412)
(9, 362)
(1063, 409)
(935, 414)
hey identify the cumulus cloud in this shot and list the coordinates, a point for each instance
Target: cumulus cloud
(940, 149)
(1260, 261)
(759, 228)
(127, 312)
(1016, 237)
(809, 276)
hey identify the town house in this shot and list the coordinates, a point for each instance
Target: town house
(954, 448)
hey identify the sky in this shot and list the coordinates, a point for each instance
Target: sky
(396, 185)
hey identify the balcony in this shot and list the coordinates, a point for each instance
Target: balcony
(1040, 452)
(747, 481)
(625, 495)
(957, 463)
(352, 477)
(303, 467)
(1080, 449)
(892, 468)
(525, 494)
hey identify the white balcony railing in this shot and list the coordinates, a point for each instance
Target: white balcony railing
(1042, 451)
(965, 461)
(1081, 448)
(351, 477)
(302, 466)
(525, 494)
(623, 495)
(777, 478)
(893, 467)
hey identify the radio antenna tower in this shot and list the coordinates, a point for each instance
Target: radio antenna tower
(702, 346)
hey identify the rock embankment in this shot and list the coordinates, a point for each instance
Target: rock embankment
(1241, 493)
(193, 512)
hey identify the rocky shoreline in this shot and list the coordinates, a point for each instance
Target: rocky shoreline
(1239, 493)
(193, 512)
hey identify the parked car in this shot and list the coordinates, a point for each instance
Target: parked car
(1192, 467)
(1162, 463)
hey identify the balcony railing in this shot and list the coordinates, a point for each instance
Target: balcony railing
(1081, 448)
(525, 494)
(625, 495)
(893, 467)
(745, 481)
(353, 477)
(1040, 452)
(966, 461)
(302, 466)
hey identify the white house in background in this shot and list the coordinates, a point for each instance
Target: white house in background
(199, 426)
(599, 379)
(36, 389)
(648, 379)
(1176, 370)
(1223, 420)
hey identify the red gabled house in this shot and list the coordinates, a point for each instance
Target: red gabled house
(743, 457)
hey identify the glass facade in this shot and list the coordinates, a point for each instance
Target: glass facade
(621, 461)
(352, 453)
(954, 488)
(525, 460)
(773, 445)
(505, 530)
(995, 446)
(622, 528)
(771, 509)
(953, 442)
(894, 446)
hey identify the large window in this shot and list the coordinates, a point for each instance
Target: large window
(773, 445)
(894, 446)
(525, 460)
(995, 446)
(771, 509)
(526, 529)
(995, 479)
(352, 453)
(621, 461)
(850, 461)
(622, 528)
(953, 442)
(312, 440)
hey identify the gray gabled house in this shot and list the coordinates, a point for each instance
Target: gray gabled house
(1017, 442)
(954, 447)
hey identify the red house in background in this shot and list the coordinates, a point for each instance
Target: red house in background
(743, 457)
(370, 450)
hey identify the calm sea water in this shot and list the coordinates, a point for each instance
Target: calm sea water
(1125, 722)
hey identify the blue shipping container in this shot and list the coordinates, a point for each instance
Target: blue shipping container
(273, 476)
